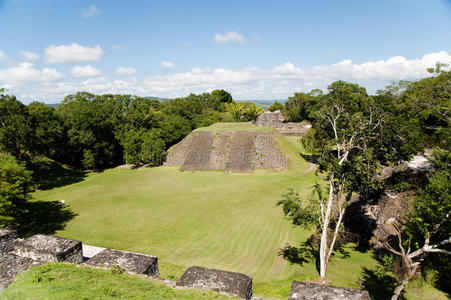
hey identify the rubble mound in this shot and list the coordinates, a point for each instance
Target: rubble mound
(308, 291)
(234, 150)
(230, 283)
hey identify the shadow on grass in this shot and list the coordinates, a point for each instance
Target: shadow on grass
(308, 251)
(297, 255)
(379, 284)
(51, 174)
(44, 217)
(311, 158)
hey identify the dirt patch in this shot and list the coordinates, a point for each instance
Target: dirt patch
(238, 151)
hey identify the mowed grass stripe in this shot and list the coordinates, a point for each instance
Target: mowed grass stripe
(226, 221)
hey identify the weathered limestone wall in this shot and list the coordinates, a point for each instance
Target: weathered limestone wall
(230, 283)
(276, 120)
(49, 248)
(130, 262)
(40, 249)
(241, 151)
(308, 291)
(11, 265)
(7, 239)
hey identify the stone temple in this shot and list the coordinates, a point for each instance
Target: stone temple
(276, 120)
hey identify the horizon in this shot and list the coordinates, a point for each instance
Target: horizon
(254, 50)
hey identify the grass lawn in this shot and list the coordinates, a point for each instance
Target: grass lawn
(210, 219)
(65, 281)
(232, 126)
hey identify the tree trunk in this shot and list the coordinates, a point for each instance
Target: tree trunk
(323, 245)
(412, 270)
(398, 290)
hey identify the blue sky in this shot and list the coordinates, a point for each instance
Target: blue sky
(254, 49)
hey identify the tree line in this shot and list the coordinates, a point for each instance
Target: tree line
(93, 132)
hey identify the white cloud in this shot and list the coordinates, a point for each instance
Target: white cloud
(85, 71)
(90, 11)
(231, 36)
(73, 53)
(117, 47)
(29, 56)
(125, 71)
(167, 64)
(25, 73)
(250, 83)
(2, 56)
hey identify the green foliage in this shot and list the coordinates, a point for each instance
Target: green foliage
(142, 147)
(91, 142)
(116, 270)
(15, 127)
(221, 96)
(301, 106)
(431, 209)
(68, 281)
(15, 186)
(98, 131)
(236, 110)
(310, 143)
(276, 106)
(48, 130)
(251, 112)
(301, 212)
(427, 103)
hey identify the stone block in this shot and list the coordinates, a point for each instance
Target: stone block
(7, 239)
(49, 248)
(312, 291)
(130, 262)
(230, 283)
(11, 265)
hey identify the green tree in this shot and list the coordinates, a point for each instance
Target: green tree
(347, 124)
(251, 111)
(91, 141)
(236, 110)
(16, 132)
(15, 186)
(302, 106)
(144, 147)
(48, 130)
(276, 106)
(426, 229)
(222, 96)
(428, 104)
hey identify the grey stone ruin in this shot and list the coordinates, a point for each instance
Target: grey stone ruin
(312, 291)
(49, 248)
(230, 283)
(130, 262)
(7, 239)
(11, 265)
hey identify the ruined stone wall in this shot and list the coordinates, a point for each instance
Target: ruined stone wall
(276, 120)
(239, 151)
